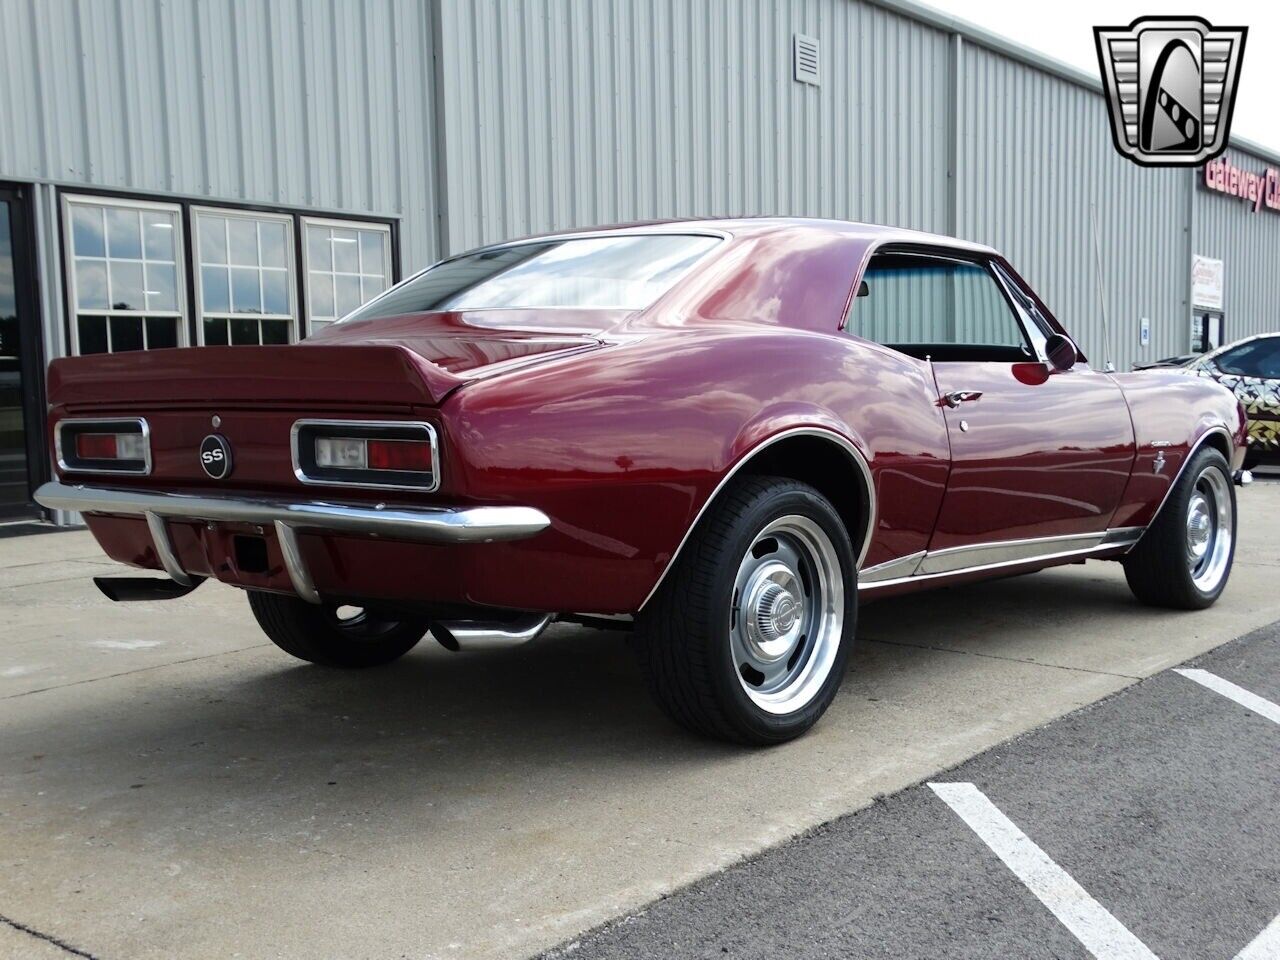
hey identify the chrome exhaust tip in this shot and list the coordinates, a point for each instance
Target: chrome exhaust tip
(463, 635)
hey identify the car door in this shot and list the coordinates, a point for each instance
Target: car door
(1036, 453)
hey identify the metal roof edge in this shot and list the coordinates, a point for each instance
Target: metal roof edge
(949, 23)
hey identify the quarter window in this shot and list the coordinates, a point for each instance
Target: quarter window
(245, 280)
(348, 264)
(123, 274)
(1258, 358)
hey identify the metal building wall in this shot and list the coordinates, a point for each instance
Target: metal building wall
(566, 114)
(1248, 243)
(1035, 154)
(320, 104)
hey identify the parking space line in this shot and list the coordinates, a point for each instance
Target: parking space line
(1266, 946)
(1092, 924)
(1240, 695)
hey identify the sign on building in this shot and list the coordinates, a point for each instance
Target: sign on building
(1206, 282)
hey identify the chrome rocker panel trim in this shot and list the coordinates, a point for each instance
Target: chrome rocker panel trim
(982, 557)
(420, 524)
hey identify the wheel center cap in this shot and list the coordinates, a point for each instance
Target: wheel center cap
(1199, 528)
(773, 614)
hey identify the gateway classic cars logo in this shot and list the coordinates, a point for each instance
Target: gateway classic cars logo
(1171, 86)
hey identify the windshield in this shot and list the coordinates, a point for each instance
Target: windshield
(613, 272)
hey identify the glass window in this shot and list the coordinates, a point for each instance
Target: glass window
(917, 301)
(611, 272)
(245, 273)
(1257, 358)
(123, 272)
(348, 264)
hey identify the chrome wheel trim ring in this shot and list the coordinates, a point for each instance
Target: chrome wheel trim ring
(787, 614)
(1210, 530)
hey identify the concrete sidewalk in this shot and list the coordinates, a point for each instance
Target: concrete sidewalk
(171, 785)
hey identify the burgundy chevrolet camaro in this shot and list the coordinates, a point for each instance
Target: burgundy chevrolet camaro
(718, 435)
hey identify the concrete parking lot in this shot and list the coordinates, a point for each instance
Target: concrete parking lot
(171, 785)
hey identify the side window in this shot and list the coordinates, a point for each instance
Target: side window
(1259, 358)
(933, 306)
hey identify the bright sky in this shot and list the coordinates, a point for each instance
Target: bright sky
(1064, 31)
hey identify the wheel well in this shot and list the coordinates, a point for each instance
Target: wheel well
(826, 467)
(1218, 440)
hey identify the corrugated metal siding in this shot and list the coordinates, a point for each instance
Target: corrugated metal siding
(1035, 153)
(323, 104)
(1248, 243)
(567, 114)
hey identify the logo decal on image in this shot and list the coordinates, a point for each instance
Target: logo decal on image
(215, 456)
(1170, 86)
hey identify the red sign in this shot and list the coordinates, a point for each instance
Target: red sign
(1257, 189)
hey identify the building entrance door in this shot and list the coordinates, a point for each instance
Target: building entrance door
(21, 436)
(1206, 331)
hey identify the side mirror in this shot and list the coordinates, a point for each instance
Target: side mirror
(1061, 352)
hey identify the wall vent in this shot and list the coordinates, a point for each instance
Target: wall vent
(804, 58)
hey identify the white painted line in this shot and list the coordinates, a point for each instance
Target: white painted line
(1092, 924)
(1266, 946)
(1240, 695)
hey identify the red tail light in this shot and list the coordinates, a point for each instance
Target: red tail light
(399, 455)
(103, 446)
(96, 446)
(367, 453)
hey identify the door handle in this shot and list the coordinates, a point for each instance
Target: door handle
(957, 397)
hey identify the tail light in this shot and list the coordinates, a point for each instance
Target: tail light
(103, 446)
(367, 453)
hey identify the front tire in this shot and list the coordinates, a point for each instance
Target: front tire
(748, 637)
(333, 636)
(1184, 559)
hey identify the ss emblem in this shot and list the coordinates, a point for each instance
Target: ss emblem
(215, 456)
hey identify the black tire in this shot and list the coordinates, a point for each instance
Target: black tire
(1159, 569)
(682, 638)
(317, 634)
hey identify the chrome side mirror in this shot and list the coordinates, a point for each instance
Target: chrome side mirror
(1061, 352)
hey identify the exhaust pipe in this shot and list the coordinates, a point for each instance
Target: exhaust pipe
(122, 589)
(458, 635)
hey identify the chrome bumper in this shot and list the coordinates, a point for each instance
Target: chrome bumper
(422, 524)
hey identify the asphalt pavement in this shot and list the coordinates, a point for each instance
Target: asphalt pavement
(1160, 802)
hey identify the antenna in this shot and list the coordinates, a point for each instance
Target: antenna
(1107, 365)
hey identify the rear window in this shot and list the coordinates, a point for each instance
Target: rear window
(613, 272)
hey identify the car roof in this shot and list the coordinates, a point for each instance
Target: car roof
(871, 234)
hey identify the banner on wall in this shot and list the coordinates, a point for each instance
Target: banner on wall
(1206, 282)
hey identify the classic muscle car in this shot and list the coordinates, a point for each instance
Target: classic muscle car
(719, 435)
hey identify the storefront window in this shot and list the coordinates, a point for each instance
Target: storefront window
(123, 274)
(348, 264)
(244, 282)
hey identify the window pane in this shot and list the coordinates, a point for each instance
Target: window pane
(162, 292)
(322, 295)
(213, 239)
(347, 292)
(275, 291)
(86, 232)
(246, 297)
(91, 284)
(318, 325)
(346, 251)
(920, 300)
(215, 333)
(215, 289)
(244, 331)
(158, 233)
(243, 241)
(161, 332)
(126, 288)
(93, 334)
(319, 250)
(126, 334)
(275, 331)
(273, 244)
(124, 237)
(373, 252)
(370, 287)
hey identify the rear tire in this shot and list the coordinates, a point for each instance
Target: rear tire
(320, 634)
(1184, 559)
(748, 637)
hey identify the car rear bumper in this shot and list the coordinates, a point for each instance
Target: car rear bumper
(434, 525)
